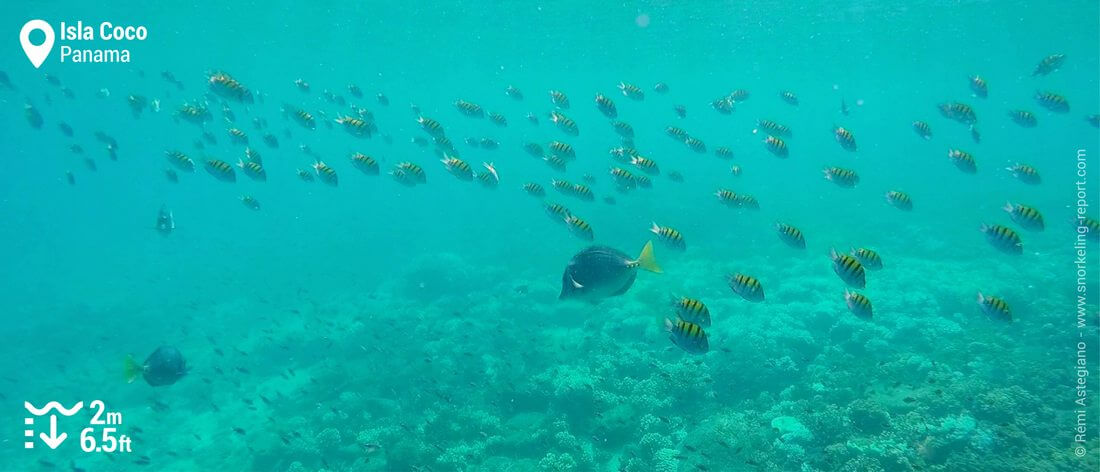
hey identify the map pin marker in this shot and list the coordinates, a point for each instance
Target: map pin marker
(37, 54)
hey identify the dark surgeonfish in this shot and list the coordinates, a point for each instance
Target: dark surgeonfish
(600, 272)
(163, 367)
(165, 223)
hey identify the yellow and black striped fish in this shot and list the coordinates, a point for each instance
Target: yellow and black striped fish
(458, 167)
(563, 150)
(688, 336)
(963, 160)
(848, 269)
(869, 258)
(252, 169)
(238, 136)
(845, 138)
(623, 129)
(430, 126)
(180, 161)
(534, 189)
(776, 146)
(1049, 64)
(631, 91)
(565, 123)
(858, 304)
(1052, 101)
(900, 200)
(469, 109)
(995, 308)
(790, 235)
(1023, 118)
(978, 86)
(414, 171)
(747, 286)
(365, 163)
(326, 174)
(789, 97)
(559, 99)
(1027, 217)
(846, 178)
(691, 310)
(1003, 238)
(1026, 174)
(221, 170)
(774, 129)
(498, 119)
(606, 106)
(555, 162)
(580, 228)
(696, 144)
(669, 235)
(646, 165)
(723, 152)
(922, 129)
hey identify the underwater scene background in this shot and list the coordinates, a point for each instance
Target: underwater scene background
(376, 326)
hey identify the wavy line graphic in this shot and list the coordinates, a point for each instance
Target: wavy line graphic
(53, 405)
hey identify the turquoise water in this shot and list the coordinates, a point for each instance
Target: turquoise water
(377, 327)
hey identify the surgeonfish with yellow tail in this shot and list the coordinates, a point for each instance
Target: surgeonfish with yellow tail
(995, 308)
(599, 272)
(747, 286)
(165, 366)
(691, 310)
(670, 236)
(849, 269)
(858, 304)
(687, 335)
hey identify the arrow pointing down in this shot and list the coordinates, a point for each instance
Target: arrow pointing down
(53, 440)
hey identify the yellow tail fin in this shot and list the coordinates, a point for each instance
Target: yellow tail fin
(647, 260)
(131, 369)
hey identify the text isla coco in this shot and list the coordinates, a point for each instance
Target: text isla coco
(106, 30)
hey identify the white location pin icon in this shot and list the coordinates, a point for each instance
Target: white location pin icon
(37, 54)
